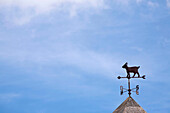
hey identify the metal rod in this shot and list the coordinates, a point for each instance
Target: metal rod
(132, 77)
(129, 87)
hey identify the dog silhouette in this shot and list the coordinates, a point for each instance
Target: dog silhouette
(131, 70)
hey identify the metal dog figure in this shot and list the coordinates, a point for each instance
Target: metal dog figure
(131, 70)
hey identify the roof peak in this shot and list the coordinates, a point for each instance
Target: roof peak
(129, 106)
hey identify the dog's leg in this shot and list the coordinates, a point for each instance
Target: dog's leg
(128, 74)
(138, 74)
(134, 74)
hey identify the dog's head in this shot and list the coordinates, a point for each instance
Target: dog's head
(125, 65)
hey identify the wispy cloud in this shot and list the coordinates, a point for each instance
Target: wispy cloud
(139, 1)
(7, 97)
(123, 2)
(83, 59)
(153, 4)
(139, 49)
(21, 12)
(168, 3)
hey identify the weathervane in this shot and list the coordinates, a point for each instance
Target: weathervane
(129, 70)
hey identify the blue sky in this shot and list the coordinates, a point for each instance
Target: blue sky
(63, 56)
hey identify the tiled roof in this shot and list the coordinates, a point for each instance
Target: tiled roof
(129, 106)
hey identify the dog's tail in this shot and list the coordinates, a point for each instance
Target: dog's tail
(138, 67)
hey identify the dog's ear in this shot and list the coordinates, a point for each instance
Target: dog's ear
(126, 63)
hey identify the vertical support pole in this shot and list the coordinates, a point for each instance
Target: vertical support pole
(129, 90)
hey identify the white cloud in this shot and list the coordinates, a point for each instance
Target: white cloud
(41, 6)
(153, 4)
(59, 53)
(139, 49)
(139, 1)
(7, 97)
(90, 61)
(123, 2)
(168, 3)
(22, 11)
(127, 2)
